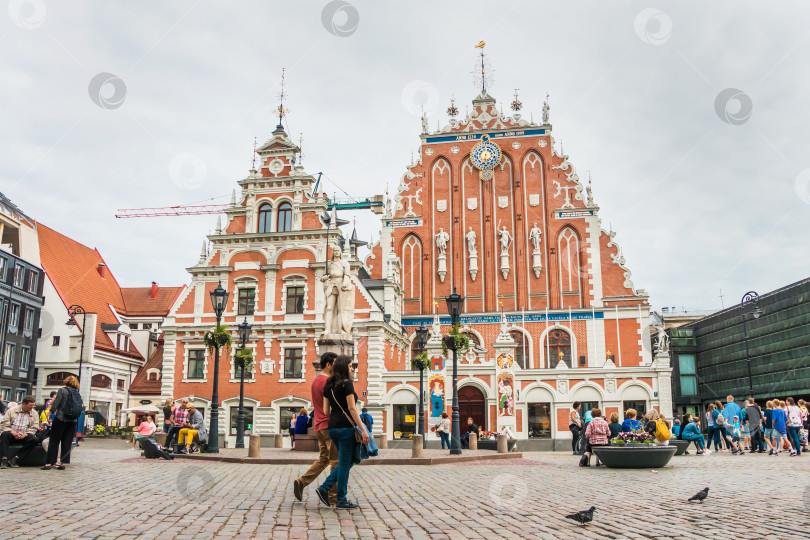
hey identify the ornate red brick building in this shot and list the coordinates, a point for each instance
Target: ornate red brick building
(489, 208)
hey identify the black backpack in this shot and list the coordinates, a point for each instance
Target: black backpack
(151, 450)
(72, 407)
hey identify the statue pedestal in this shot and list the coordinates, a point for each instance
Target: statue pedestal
(473, 265)
(442, 269)
(537, 264)
(336, 343)
(505, 264)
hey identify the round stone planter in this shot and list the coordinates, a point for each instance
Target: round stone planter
(635, 457)
(681, 445)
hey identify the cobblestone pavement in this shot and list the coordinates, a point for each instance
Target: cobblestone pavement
(110, 492)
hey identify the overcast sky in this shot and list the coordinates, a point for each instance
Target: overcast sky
(707, 188)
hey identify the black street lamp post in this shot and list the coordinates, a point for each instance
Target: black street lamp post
(750, 298)
(74, 310)
(454, 304)
(419, 345)
(219, 297)
(244, 334)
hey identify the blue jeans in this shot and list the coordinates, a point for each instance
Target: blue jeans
(793, 437)
(697, 439)
(344, 440)
(445, 437)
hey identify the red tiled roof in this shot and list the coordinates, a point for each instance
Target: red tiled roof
(141, 385)
(73, 269)
(139, 301)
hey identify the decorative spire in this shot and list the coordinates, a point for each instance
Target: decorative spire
(425, 128)
(233, 197)
(545, 111)
(588, 190)
(203, 253)
(516, 105)
(452, 110)
(301, 148)
(281, 111)
(219, 224)
(253, 161)
(483, 70)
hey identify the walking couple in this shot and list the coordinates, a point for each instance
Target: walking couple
(336, 415)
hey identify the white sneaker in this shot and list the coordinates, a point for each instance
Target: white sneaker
(707, 452)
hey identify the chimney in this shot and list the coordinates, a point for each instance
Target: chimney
(102, 270)
(155, 290)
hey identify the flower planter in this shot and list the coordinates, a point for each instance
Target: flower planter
(449, 342)
(681, 445)
(635, 457)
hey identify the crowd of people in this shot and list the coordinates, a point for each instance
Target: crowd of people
(781, 427)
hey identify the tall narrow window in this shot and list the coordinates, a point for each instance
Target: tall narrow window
(25, 358)
(28, 324)
(522, 351)
(2, 269)
(8, 359)
(559, 348)
(292, 363)
(265, 213)
(688, 376)
(33, 281)
(295, 299)
(19, 274)
(571, 264)
(412, 267)
(14, 316)
(196, 364)
(247, 301)
(284, 217)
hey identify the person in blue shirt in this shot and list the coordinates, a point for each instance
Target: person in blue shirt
(690, 431)
(732, 409)
(630, 423)
(779, 425)
(367, 419)
(676, 428)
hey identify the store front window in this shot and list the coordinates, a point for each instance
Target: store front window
(287, 414)
(248, 419)
(540, 420)
(404, 421)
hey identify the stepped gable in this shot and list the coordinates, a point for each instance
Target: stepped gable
(141, 385)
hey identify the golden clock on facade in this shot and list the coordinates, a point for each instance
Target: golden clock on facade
(485, 156)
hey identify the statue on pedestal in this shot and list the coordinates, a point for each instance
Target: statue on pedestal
(338, 314)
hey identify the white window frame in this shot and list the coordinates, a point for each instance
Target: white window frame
(19, 275)
(5, 393)
(19, 395)
(14, 316)
(28, 321)
(293, 345)
(33, 281)
(8, 359)
(187, 359)
(25, 358)
(234, 378)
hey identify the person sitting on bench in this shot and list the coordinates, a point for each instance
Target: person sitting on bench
(195, 425)
(19, 426)
(179, 416)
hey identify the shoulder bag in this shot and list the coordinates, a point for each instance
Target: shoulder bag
(357, 455)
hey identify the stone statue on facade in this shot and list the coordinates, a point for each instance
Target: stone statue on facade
(663, 341)
(506, 240)
(338, 314)
(535, 235)
(441, 241)
(471, 241)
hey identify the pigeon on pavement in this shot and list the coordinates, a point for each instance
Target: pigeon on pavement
(700, 495)
(583, 517)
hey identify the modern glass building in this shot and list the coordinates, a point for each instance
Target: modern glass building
(760, 348)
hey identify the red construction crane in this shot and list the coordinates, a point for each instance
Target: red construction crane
(191, 210)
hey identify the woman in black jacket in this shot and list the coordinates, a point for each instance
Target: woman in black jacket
(64, 426)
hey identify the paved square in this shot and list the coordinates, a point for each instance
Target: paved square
(110, 492)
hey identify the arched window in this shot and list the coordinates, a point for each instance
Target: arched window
(474, 341)
(265, 211)
(284, 217)
(412, 267)
(571, 266)
(559, 348)
(58, 378)
(522, 351)
(101, 381)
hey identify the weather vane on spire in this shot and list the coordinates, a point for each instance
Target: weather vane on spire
(483, 70)
(281, 111)
(301, 148)
(452, 110)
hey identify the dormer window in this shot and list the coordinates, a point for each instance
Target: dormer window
(284, 217)
(265, 215)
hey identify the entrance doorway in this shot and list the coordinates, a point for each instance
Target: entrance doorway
(471, 403)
